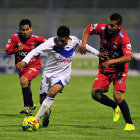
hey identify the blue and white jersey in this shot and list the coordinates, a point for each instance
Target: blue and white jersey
(58, 62)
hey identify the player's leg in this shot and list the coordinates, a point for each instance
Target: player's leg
(119, 89)
(32, 106)
(51, 86)
(25, 81)
(26, 94)
(97, 95)
(101, 85)
(47, 103)
(118, 96)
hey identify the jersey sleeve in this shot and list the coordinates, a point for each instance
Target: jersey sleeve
(44, 47)
(95, 29)
(126, 46)
(11, 46)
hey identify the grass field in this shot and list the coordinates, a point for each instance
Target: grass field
(75, 116)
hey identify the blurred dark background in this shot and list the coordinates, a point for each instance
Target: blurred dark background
(47, 15)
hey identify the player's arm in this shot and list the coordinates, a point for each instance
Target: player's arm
(12, 47)
(123, 59)
(82, 48)
(91, 49)
(35, 52)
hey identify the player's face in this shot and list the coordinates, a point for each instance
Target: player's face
(113, 28)
(25, 31)
(62, 41)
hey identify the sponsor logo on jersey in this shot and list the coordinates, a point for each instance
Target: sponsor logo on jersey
(93, 27)
(22, 53)
(64, 60)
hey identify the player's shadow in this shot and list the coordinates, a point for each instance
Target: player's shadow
(11, 115)
(80, 126)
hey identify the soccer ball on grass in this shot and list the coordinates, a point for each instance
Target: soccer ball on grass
(30, 123)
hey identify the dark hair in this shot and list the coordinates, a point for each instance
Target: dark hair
(25, 22)
(116, 17)
(63, 31)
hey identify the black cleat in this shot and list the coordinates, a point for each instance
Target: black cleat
(45, 120)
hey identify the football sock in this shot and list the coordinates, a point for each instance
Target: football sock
(107, 101)
(26, 92)
(47, 103)
(125, 112)
(31, 104)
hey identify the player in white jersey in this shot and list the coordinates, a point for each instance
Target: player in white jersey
(60, 51)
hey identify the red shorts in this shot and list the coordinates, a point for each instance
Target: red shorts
(30, 72)
(104, 80)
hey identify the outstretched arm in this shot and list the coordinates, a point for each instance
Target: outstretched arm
(82, 48)
(91, 49)
(35, 52)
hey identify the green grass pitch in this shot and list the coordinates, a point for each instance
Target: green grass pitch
(75, 116)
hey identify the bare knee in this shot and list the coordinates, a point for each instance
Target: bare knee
(24, 81)
(97, 93)
(118, 96)
(54, 90)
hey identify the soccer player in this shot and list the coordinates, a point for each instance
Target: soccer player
(60, 51)
(115, 41)
(21, 44)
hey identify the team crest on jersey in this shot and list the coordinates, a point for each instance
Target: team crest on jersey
(33, 47)
(120, 82)
(115, 45)
(29, 71)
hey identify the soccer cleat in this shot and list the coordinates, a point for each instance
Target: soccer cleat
(129, 126)
(26, 111)
(45, 119)
(33, 108)
(116, 114)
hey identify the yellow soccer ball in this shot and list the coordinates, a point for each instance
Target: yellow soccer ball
(30, 123)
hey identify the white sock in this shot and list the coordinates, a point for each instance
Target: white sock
(47, 103)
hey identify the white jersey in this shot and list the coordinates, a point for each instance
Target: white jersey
(58, 62)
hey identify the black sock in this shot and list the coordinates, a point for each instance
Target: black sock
(125, 112)
(31, 104)
(26, 92)
(107, 101)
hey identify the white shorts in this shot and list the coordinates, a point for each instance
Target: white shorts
(48, 82)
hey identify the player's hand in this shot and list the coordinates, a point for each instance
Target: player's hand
(21, 65)
(103, 55)
(82, 49)
(20, 47)
(105, 65)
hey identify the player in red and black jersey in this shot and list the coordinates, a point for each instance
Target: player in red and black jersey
(20, 44)
(115, 41)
